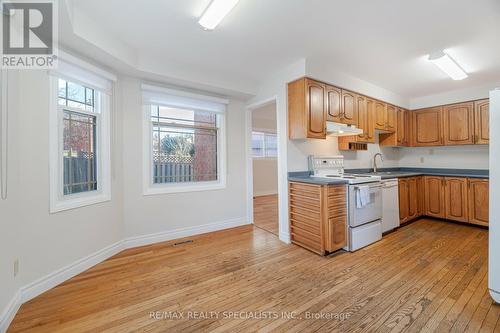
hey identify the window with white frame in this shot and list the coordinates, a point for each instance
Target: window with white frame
(80, 138)
(264, 144)
(184, 137)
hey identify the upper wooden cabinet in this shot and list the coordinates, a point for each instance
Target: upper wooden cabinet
(390, 124)
(380, 115)
(427, 127)
(333, 103)
(478, 201)
(350, 105)
(306, 109)
(400, 137)
(456, 199)
(482, 122)
(458, 124)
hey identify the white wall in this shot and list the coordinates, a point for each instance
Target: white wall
(45, 242)
(162, 213)
(456, 157)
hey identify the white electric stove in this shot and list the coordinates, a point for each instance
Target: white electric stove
(364, 219)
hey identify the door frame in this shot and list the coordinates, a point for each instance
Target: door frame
(281, 163)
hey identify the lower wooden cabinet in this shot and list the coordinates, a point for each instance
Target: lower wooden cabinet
(410, 205)
(434, 196)
(453, 198)
(318, 216)
(456, 202)
(479, 201)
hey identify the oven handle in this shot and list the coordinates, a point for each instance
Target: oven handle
(370, 187)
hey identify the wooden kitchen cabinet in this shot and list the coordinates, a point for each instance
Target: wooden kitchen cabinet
(408, 199)
(350, 113)
(482, 122)
(390, 124)
(427, 128)
(404, 201)
(421, 195)
(364, 108)
(333, 103)
(306, 109)
(456, 199)
(400, 136)
(434, 196)
(380, 115)
(318, 216)
(458, 124)
(478, 201)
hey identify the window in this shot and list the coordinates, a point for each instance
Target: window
(79, 142)
(184, 143)
(264, 145)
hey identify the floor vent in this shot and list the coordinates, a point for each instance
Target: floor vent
(182, 243)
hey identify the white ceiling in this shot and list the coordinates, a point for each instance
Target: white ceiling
(381, 41)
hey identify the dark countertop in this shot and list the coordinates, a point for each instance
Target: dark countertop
(389, 173)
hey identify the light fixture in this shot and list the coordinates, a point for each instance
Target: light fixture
(448, 65)
(216, 12)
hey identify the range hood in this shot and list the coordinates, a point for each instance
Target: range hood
(337, 129)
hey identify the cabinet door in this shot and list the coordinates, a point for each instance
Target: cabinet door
(362, 117)
(427, 127)
(434, 196)
(390, 118)
(412, 198)
(380, 115)
(401, 127)
(458, 124)
(316, 115)
(370, 112)
(403, 200)
(482, 122)
(456, 199)
(420, 196)
(350, 113)
(337, 229)
(478, 201)
(333, 103)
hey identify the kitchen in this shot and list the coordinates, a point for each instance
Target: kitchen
(326, 215)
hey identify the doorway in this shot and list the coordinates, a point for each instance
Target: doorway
(264, 155)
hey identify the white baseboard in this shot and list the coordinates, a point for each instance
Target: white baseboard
(10, 312)
(183, 232)
(285, 237)
(264, 193)
(53, 279)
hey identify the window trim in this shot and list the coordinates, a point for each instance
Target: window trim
(58, 201)
(149, 188)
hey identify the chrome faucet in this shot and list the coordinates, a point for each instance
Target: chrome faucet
(375, 161)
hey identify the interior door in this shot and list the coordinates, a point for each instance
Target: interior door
(333, 103)
(482, 122)
(479, 201)
(459, 124)
(350, 114)
(434, 196)
(427, 127)
(456, 198)
(316, 110)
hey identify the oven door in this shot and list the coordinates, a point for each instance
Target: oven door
(370, 212)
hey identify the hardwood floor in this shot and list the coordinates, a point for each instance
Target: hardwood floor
(265, 209)
(430, 276)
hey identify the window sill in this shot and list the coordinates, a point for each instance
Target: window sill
(182, 188)
(77, 202)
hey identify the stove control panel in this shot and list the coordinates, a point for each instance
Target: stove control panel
(326, 164)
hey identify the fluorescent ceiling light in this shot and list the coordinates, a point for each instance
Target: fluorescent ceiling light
(448, 65)
(216, 12)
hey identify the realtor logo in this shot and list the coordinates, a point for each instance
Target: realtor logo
(29, 34)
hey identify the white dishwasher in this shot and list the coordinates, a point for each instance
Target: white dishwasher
(390, 204)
